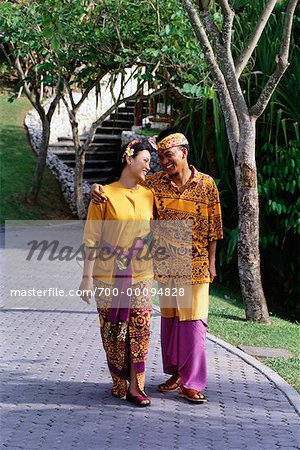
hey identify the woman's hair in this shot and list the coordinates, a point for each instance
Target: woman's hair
(136, 146)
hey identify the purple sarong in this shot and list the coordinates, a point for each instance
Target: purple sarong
(183, 351)
(120, 307)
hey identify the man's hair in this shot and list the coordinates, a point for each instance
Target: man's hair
(164, 133)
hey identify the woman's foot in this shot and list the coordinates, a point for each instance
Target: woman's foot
(172, 384)
(138, 398)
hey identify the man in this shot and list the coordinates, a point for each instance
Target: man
(184, 194)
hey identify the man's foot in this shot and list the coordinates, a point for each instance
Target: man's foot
(172, 384)
(192, 395)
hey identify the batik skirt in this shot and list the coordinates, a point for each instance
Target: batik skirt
(126, 341)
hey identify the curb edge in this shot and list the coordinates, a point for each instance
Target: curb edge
(290, 393)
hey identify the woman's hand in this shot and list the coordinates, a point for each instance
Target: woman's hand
(97, 193)
(86, 288)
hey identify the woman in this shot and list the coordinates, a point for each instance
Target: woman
(115, 237)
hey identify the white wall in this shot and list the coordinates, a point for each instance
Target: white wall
(89, 110)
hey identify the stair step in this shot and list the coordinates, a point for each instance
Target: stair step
(70, 138)
(93, 153)
(107, 131)
(62, 144)
(65, 141)
(89, 163)
(133, 102)
(130, 109)
(98, 180)
(102, 137)
(101, 170)
(122, 116)
(116, 123)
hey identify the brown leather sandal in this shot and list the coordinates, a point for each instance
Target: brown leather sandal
(172, 384)
(192, 395)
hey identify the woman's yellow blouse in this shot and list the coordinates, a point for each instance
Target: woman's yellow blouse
(121, 220)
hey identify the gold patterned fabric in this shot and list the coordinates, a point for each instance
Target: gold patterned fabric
(125, 341)
(197, 202)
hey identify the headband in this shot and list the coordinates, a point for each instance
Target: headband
(173, 140)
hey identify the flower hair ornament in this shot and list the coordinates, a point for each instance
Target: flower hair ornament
(129, 149)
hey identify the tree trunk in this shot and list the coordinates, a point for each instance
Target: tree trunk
(248, 224)
(80, 161)
(41, 162)
(79, 166)
(210, 148)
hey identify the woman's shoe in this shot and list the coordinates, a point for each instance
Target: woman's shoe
(138, 400)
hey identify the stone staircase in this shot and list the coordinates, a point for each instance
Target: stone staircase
(105, 147)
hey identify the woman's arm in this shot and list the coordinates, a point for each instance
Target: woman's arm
(91, 240)
(86, 286)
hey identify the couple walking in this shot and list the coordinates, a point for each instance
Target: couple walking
(118, 224)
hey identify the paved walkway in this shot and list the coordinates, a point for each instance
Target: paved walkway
(56, 394)
(56, 388)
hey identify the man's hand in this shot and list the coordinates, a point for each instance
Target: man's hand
(212, 246)
(212, 271)
(97, 193)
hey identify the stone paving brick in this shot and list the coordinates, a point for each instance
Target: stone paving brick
(56, 391)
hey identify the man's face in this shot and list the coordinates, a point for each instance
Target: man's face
(173, 159)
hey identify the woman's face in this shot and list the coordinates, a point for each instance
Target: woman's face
(140, 165)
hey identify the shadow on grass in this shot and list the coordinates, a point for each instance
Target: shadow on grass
(227, 316)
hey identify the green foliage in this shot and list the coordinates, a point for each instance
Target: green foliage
(279, 183)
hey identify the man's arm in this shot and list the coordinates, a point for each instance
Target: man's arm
(212, 246)
(98, 190)
(97, 193)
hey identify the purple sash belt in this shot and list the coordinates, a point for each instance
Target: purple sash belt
(120, 307)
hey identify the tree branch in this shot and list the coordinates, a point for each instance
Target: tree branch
(228, 15)
(87, 91)
(22, 77)
(230, 116)
(210, 26)
(10, 61)
(53, 105)
(254, 38)
(282, 62)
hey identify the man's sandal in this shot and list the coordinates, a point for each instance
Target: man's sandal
(172, 384)
(192, 395)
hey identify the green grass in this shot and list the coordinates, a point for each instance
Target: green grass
(17, 168)
(148, 132)
(227, 321)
